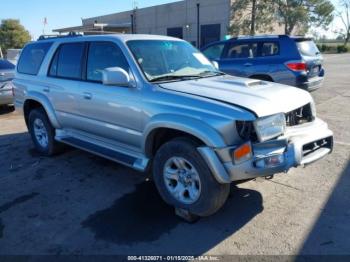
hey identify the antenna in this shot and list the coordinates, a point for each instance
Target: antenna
(134, 4)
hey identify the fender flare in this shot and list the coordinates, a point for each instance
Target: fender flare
(44, 101)
(192, 126)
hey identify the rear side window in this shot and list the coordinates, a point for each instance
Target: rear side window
(308, 48)
(244, 50)
(101, 56)
(67, 62)
(6, 65)
(270, 49)
(31, 58)
(214, 52)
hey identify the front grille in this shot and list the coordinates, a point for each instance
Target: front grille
(299, 116)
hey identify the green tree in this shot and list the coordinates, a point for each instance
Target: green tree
(13, 34)
(343, 12)
(250, 16)
(302, 14)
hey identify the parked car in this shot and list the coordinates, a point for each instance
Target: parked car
(6, 75)
(290, 60)
(155, 103)
(12, 55)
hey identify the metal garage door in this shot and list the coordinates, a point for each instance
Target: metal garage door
(210, 33)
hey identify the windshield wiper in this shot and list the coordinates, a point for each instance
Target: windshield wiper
(173, 77)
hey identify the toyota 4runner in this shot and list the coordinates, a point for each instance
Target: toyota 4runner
(155, 103)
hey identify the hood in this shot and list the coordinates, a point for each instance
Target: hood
(261, 97)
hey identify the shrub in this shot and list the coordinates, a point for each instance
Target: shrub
(342, 49)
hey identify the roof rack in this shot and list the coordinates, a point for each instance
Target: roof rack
(70, 34)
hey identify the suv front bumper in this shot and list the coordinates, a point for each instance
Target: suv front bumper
(301, 145)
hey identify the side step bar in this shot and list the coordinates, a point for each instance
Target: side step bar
(116, 156)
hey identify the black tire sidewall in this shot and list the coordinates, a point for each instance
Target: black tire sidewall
(41, 114)
(213, 194)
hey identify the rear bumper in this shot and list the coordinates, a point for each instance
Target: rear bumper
(301, 145)
(312, 84)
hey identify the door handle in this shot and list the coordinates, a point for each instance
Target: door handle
(87, 96)
(46, 89)
(248, 64)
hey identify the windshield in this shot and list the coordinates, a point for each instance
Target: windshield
(162, 60)
(308, 48)
(4, 65)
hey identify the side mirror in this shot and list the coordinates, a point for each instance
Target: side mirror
(215, 64)
(115, 76)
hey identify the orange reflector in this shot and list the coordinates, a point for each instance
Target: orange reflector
(243, 152)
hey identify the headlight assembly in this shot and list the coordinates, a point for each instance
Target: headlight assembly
(270, 127)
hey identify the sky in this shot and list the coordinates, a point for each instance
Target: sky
(66, 13)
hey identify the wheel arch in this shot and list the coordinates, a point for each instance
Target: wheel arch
(37, 100)
(167, 127)
(265, 77)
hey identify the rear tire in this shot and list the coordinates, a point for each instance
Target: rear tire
(43, 133)
(191, 187)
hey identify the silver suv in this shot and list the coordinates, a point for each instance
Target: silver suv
(155, 103)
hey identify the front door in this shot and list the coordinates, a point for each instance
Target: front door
(109, 111)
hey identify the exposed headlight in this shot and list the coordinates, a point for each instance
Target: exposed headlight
(270, 126)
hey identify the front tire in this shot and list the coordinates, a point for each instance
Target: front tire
(184, 180)
(43, 133)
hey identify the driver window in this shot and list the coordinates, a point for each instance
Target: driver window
(103, 55)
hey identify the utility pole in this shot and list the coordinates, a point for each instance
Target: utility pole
(252, 25)
(133, 17)
(198, 26)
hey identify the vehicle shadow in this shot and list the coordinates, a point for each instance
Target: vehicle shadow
(6, 109)
(331, 231)
(136, 220)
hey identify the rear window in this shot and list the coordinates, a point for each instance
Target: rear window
(270, 49)
(31, 58)
(307, 48)
(6, 65)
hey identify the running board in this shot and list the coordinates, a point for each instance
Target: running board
(116, 156)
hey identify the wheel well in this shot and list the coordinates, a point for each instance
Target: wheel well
(29, 105)
(262, 77)
(160, 136)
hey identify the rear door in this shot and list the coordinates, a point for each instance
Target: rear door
(311, 55)
(238, 58)
(63, 83)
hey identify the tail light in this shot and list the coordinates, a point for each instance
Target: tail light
(297, 66)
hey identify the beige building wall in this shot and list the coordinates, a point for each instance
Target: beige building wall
(157, 19)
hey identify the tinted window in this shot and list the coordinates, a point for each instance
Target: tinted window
(214, 52)
(67, 61)
(31, 58)
(246, 50)
(5, 65)
(103, 55)
(270, 49)
(308, 48)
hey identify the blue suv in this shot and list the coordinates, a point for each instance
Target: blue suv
(290, 60)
